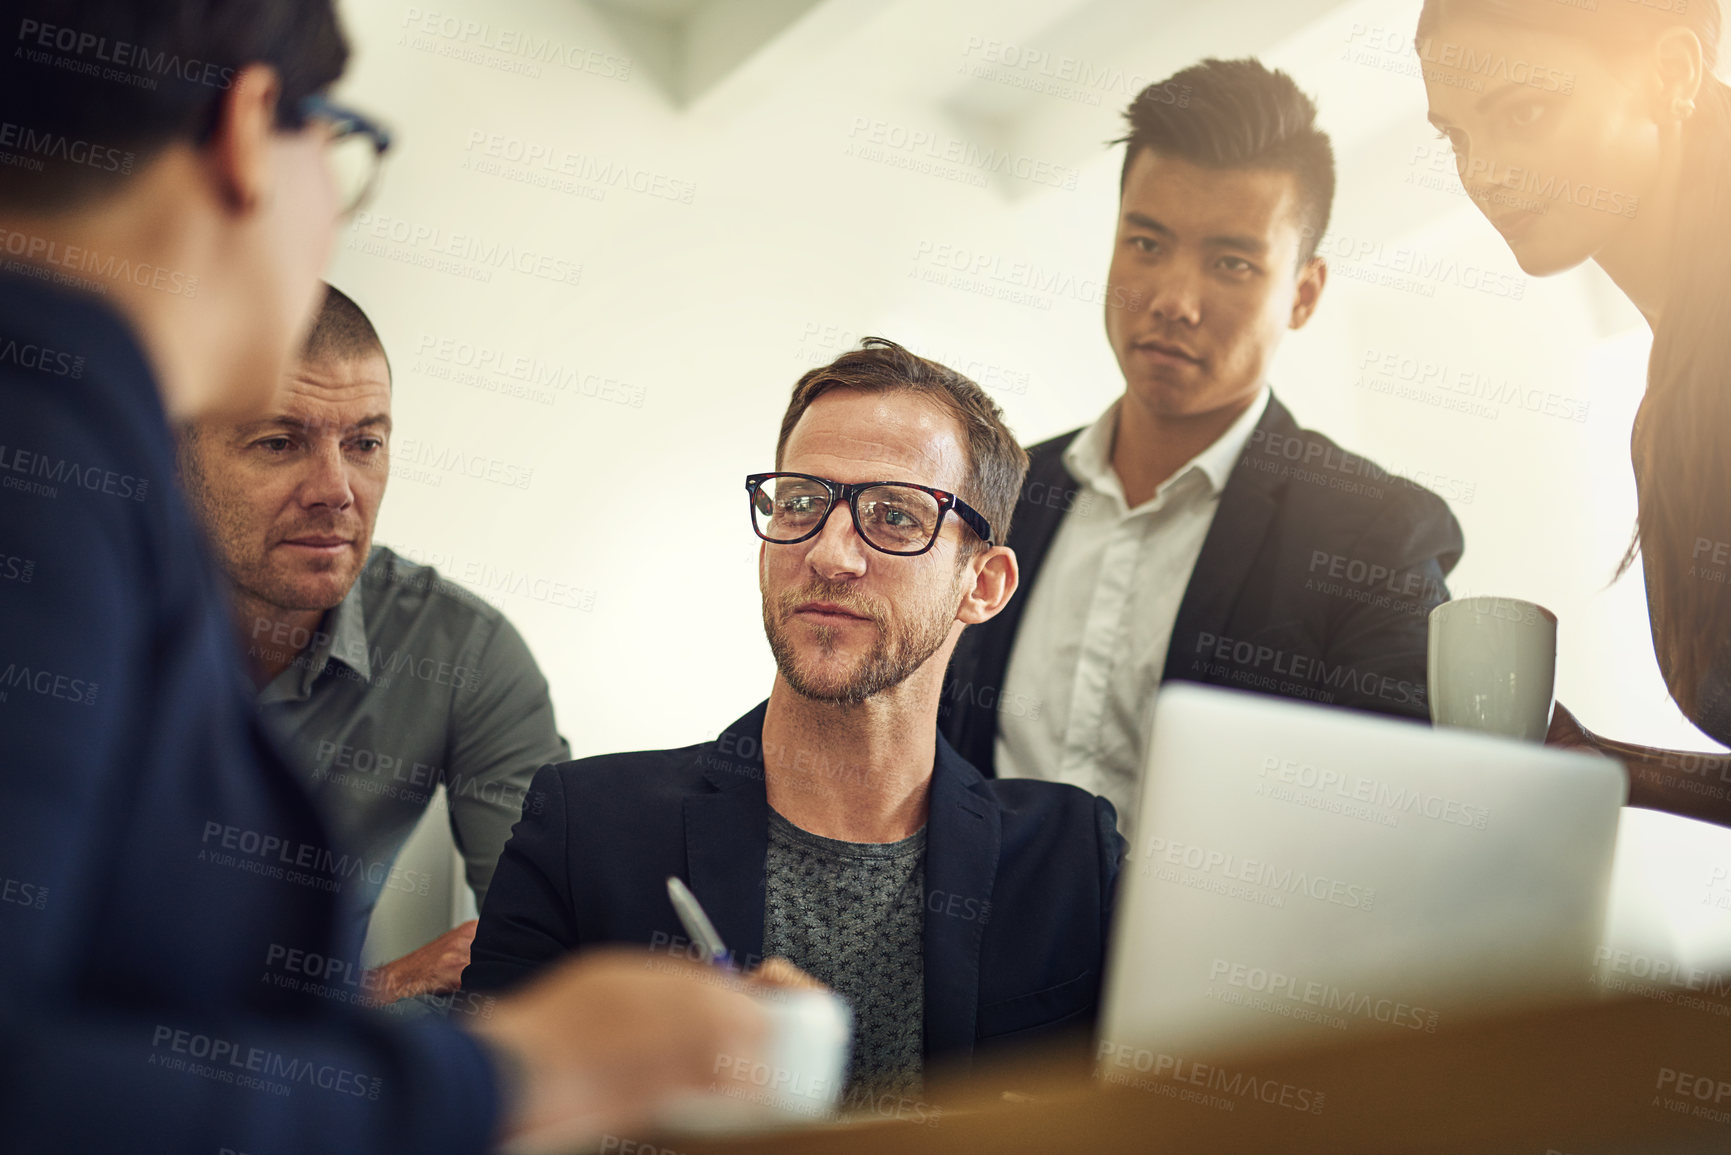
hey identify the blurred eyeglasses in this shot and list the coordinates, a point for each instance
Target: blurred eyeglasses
(356, 149)
(894, 517)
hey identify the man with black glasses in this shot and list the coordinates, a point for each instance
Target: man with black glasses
(169, 922)
(832, 824)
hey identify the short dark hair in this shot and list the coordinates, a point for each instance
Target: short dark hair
(997, 463)
(94, 89)
(341, 331)
(1238, 114)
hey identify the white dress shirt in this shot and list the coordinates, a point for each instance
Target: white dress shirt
(1092, 641)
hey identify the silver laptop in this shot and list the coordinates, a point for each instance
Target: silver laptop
(1303, 874)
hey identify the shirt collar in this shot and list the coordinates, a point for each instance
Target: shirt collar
(1089, 456)
(341, 636)
(348, 642)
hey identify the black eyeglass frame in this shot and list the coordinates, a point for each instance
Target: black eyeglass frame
(346, 122)
(848, 493)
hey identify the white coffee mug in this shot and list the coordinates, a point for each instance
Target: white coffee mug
(813, 1031)
(797, 1082)
(1492, 666)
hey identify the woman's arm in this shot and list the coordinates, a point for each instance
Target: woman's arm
(1683, 782)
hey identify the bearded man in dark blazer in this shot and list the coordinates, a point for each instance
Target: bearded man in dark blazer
(832, 825)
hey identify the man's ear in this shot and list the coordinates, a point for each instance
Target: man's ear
(1312, 279)
(239, 149)
(996, 575)
(187, 435)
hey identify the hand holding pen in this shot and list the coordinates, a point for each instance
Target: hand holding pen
(774, 972)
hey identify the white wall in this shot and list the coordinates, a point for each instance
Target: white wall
(700, 315)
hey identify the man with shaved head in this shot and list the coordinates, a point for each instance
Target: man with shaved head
(387, 679)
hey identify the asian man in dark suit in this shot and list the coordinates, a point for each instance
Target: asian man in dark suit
(832, 825)
(1194, 531)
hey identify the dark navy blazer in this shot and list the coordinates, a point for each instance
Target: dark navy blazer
(1315, 581)
(170, 972)
(1019, 881)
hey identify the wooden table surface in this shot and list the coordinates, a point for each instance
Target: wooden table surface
(1624, 1076)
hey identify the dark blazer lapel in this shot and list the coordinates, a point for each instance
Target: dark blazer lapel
(1031, 532)
(1247, 508)
(963, 840)
(727, 837)
(982, 657)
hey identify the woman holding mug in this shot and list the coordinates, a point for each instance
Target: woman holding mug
(1596, 130)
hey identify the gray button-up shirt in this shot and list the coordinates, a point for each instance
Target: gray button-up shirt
(409, 683)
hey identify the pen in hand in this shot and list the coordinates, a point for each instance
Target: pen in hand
(697, 924)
